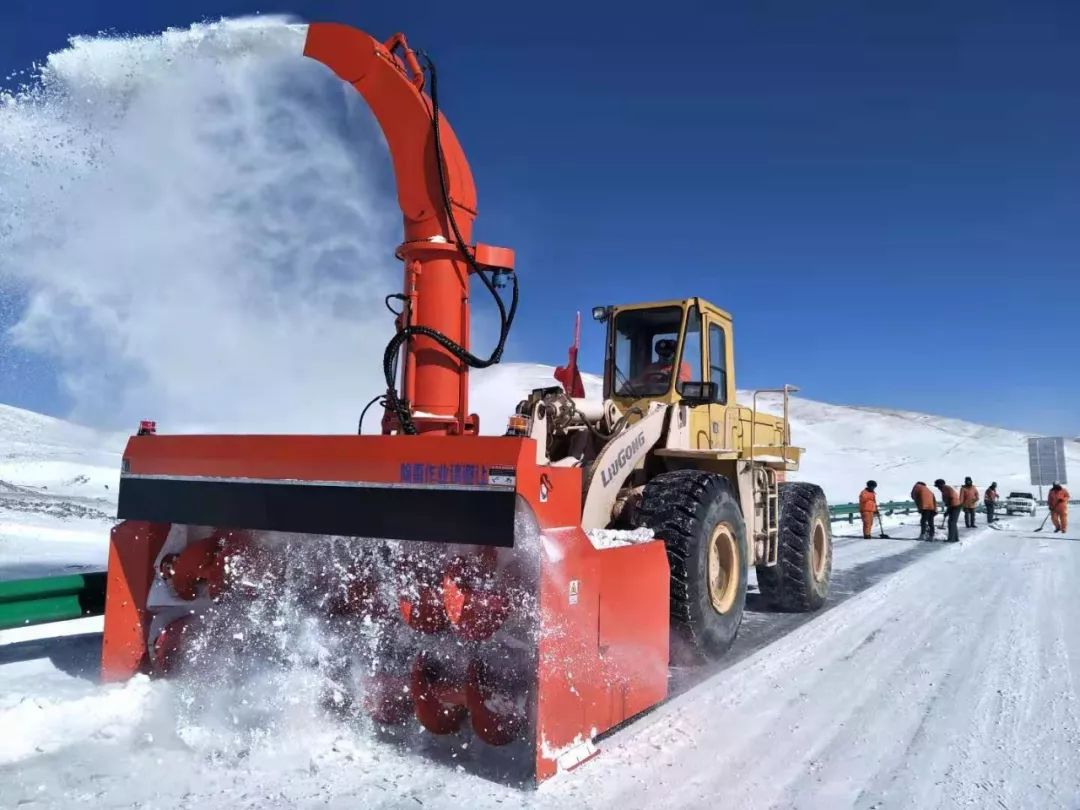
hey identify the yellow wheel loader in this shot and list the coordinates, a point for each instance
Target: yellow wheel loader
(669, 449)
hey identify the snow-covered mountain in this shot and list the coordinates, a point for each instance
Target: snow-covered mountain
(56, 456)
(58, 480)
(57, 494)
(845, 445)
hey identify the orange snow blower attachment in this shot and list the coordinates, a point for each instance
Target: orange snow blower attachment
(474, 609)
(498, 620)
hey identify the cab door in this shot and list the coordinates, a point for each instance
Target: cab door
(693, 368)
(723, 414)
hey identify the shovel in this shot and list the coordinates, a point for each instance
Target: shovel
(1044, 522)
(883, 536)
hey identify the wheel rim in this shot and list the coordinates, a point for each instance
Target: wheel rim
(724, 569)
(819, 554)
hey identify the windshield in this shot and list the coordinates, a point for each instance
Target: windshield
(1021, 495)
(645, 344)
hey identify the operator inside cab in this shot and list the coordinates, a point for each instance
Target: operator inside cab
(645, 349)
(654, 377)
(658, 372)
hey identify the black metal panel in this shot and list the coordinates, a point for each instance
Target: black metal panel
(482, 517)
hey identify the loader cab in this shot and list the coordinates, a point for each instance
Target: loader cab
(668, 351)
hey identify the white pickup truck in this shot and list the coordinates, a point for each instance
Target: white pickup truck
(1020, 503)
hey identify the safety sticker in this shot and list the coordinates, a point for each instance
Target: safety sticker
(573, 591)
(457, 475)
(502, 476)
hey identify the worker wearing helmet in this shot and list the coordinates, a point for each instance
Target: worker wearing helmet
(951, 500)
(1058, 501)
(656, 376)
(868, 508)
(969, 500)
(990, 499)
(926, 503)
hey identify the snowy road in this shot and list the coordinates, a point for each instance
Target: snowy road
(941, 677)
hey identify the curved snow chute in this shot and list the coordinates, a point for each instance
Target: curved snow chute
(434, 380)
(404, 115)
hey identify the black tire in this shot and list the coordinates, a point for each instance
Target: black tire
(693, 510)
(799, 582)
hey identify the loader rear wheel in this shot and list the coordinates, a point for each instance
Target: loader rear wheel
(698, 517)
(799, 582)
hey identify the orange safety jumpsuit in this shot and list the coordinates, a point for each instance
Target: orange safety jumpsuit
(867, 509)
(969, 499)
(662, 367)
(924, 498)
(926, 503)
(1058, 501)
(950, 497)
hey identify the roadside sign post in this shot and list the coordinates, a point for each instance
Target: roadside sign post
(1046, 458)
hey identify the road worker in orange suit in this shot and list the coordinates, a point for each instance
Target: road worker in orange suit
(1058, 501)
(969, 499)
(926, 503)
(990, 499)
(950, 498)
(868, 508)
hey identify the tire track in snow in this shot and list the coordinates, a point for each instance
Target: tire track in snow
(920, 693)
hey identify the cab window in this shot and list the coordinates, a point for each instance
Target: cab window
(646, 342)
(692, 366)
(718, 359)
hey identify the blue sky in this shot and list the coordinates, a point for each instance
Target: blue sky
(887, 199)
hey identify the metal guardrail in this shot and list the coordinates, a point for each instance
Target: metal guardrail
(849, 511)
(24, 602)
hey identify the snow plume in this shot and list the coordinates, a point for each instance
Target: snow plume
(201, 225)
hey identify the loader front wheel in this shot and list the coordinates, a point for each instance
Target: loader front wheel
(698, 517)
(799, 582)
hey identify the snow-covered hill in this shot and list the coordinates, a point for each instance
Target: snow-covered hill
(56, 456)
(58, 480)
(845, 445)
(57, 494)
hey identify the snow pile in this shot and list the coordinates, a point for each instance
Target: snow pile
(46, 725)
(613, 538)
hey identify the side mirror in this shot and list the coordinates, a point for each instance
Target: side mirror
(698, 393)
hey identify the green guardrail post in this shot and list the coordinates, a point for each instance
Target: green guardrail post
(848, 511)
(24, 602)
